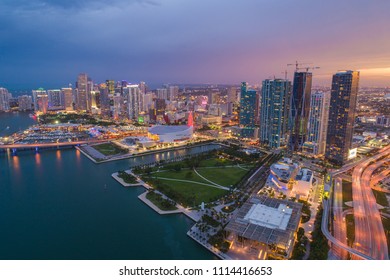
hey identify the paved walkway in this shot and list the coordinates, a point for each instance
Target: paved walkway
(211, 182)
(239, 166)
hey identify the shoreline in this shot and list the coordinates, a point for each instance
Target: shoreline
(127, 156)
(193, 215)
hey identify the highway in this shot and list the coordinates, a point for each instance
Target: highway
(332, 239)
(379, 177)
(370, 240)
(370, 237)
(339, 226)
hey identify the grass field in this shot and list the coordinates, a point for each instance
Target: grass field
(185, 174)
(223, 176)
(215, 162)
(160, 202)
(193, 194)
(130, 179)
(109, 149)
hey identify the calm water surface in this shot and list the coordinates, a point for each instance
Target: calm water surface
(57, 204)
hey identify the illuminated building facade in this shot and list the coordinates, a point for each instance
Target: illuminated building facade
(265, 223)
(173, 92)
(133, 96)
(68, 98)
(4, 99)
(83, 92)
(318, 123)
(275, 96)
(247, 110)
(42, 103)
(37, 94)
(56, 99)
(299, 109)
(25, 102)
(345, 85)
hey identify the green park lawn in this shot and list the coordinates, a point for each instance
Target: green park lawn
(191, 194)
(160, 202)
(223, 176)
(215, 162)
(184, 174)
(109, 149)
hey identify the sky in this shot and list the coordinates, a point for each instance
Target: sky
(47, 43)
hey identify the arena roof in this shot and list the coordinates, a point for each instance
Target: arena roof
(165, 129)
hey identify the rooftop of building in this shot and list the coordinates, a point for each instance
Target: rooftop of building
(269, 217)
(267, 220)
(304, 175)
(164, 129)
(284, 168)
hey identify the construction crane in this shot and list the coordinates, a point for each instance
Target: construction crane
(285, 74)
(297, 64)
(308, 68)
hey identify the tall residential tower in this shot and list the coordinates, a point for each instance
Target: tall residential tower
(247, 110)
(345, 85)
(299, 109)
(318, 123)
(275, 96)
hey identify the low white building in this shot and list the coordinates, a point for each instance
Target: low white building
(303, 184)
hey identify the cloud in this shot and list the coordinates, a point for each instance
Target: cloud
(187, 40)
(73, 5)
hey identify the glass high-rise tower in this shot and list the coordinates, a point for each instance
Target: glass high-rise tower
(247, 110)
(345, 85)
(275, 96)
(299, 109)
(318, 123)
(83, 92)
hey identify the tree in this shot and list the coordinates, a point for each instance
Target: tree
(177, 167)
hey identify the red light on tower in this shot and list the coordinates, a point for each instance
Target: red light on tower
(190, 120)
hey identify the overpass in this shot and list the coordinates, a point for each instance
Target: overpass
(332, 239)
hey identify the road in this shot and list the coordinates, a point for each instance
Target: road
(379, 177)
(339, 226)
(370, 237)
(332, 239)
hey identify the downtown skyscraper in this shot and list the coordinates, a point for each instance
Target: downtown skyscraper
(318, 123)
(275, 96)
(345, 85)
(134, 103)
(41, 100)
(247, 115)
(83, 92)
(299, 110)
(4, 100)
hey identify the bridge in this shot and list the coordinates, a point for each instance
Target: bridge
(47, 145)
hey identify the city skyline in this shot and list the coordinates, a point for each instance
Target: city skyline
(168, 42)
